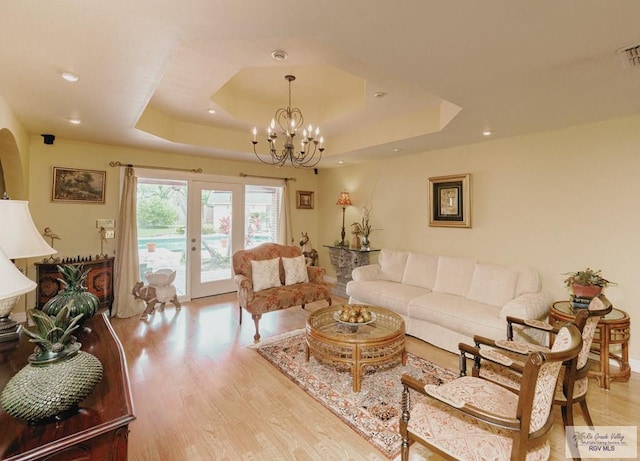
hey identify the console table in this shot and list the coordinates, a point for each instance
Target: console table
(345, 260)
(98, 431)
(99, 281)
(614, 329)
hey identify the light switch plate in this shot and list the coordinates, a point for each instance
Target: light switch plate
(109, 234)
(105, 223)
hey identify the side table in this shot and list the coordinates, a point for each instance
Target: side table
(345, 260)
(613, 329)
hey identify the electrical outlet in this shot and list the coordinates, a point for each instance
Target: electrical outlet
(109, 234)
(105, 223)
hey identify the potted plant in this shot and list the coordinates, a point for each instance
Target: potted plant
(586, 283)
(225, 229)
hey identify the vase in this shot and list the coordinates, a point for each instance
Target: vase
(48, 390)
(365, 243)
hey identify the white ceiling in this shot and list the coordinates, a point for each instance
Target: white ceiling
(150, 69)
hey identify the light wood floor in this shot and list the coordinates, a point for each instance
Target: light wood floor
(200, 394)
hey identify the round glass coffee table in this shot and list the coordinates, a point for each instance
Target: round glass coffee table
(333, 343)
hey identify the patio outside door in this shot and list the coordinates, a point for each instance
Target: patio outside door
(216, 217)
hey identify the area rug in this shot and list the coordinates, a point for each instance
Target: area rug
(374, 412)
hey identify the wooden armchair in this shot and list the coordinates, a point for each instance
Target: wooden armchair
(282, 296)
(472, 418)
(573, 385)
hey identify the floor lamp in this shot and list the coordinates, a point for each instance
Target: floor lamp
(344, 201)
(19, 238)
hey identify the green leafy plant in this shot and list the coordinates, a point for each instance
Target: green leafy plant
(587, 277)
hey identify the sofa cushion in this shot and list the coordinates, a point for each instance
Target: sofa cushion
(295, 270)
(458, 314)
(528, 280)
(420, 270)
(454, 275)
(265, 274)
(493, 284)
(392, 295)
(392, 264)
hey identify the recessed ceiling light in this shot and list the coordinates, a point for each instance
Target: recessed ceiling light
(74, 121)
(279, 55)
(70, 76)
(340, 162)
(379, 94)
(397, 149)
(212, 111)
(487, 133)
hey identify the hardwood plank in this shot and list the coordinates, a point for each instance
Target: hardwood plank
(201, 394)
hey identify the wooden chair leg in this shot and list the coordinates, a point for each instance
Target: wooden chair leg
(256, 320)
(585, 412)
(567, 415)
(240, 308)
(404, 423)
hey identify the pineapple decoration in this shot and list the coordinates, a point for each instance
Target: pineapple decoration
(59, 375)
(74, 295)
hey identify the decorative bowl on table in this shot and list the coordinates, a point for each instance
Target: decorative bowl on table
(354, 315)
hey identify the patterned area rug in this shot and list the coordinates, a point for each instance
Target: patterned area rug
(374, 412)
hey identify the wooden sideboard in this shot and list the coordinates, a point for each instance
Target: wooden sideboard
(98, 431)
(99, 281)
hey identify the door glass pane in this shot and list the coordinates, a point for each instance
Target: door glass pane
(263, 208)
(215, 235)
(162, 218)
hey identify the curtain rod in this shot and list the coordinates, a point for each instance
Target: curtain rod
(245, 175)
(130, 165)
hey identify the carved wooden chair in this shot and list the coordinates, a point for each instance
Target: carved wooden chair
(573, 385)
(471, 418)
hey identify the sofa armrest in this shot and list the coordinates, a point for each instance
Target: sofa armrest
(316, 274)
(245, 289)
(365, 273)
(528, 306)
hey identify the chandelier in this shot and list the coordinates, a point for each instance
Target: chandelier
(286, 124)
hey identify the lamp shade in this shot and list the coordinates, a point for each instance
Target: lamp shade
(344, 199)
(12, 281)
(19, 237)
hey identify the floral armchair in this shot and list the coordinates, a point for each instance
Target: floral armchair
(284, 294)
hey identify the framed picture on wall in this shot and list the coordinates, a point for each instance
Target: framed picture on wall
(79, 186)
(304, 199)
(450, 201)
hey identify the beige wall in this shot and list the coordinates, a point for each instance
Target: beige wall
(76, 223)
(559, 201)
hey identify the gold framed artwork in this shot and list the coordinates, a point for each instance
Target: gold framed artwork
(450, 201)
(304, 200)
(79, 186)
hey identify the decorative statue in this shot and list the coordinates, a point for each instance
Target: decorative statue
(153, 295)
(310, 255)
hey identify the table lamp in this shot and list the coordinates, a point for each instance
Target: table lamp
(13, 284)
(344, 201)
(19, 238)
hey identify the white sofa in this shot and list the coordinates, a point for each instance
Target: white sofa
(446, 300)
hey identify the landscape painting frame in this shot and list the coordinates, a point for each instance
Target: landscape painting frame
(78, 185)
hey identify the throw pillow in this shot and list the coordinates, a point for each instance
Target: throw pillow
(265, 274)
(295, 270)
(493, 284)
(392, 265)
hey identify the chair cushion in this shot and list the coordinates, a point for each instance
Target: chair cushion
(493, 284)
(265, 274)
(392, 264)
(295, 270)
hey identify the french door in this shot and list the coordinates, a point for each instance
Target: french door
(215, 231)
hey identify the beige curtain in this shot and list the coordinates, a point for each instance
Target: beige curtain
(285, 222)
(127, 270)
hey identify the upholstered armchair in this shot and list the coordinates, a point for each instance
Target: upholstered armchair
(573, 384)
(271, 277)
(471, 418)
